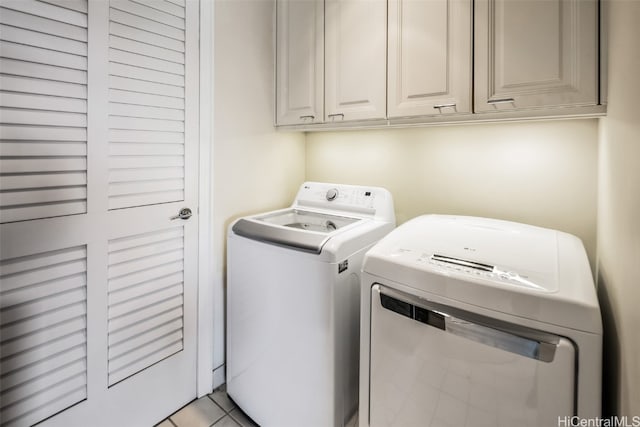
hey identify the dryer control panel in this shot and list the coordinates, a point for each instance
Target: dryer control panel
(473, 268)
(466, 268)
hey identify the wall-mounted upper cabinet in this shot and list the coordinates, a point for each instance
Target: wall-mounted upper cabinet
(534, 54)
(300, 62)
(355, 59)
(429, 57)
(381, 62)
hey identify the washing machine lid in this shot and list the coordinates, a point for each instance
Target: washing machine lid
(304, 230)
(518, 269)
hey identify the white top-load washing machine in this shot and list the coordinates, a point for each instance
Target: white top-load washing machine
(293, 295)
(477, 322)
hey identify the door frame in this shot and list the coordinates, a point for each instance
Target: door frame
(204, 378)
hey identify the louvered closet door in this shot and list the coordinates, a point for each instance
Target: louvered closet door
(98, 150)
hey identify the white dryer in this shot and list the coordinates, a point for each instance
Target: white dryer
(477, 322)
(293, 295)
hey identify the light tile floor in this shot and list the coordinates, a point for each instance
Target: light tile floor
(212, 410)
(216, 410)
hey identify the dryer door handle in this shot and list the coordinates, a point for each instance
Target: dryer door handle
(485, 330)
(528, 347)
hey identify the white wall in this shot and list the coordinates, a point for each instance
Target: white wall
(255, 168)
(541, 173)
(619, 214)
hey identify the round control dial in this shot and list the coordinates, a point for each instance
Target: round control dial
(332, 194)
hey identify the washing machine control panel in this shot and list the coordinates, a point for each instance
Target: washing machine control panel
(345, 197)
(332, 193)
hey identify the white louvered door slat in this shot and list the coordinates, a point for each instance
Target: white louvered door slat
(161, 101)
(141, 35)
(139, 123)
(41, 322)
(42, 133)
(139, 71)
(36, 65)
(47, 41)
(146, 49)
(132, 135)
(129, 175)
(42, 149)
(98, 150)
(144, 111)
(40, 102)
(167, 350)
(33, 22)
(55, 362)
(149, 314)
(43, 118)
(36, 165)
(126, 294)
(42, 55)
(38, 86)
(48, 11)
(41, 180)
(178, 2)
(176, 10)
(77, 5)
(32, 358)
(122, 70)
(31, 288)
(146, 149)
(12, 67)
(145, 24)
(150, 13)
(124, 334)
(135, 85)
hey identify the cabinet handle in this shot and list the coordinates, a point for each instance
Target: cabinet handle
(501, 101)
(441, 106)
(307, 117)
(336, 115)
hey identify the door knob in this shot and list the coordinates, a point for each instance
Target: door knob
(185, 213)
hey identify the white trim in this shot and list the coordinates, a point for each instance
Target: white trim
(204, 380)
(217, 278)
(219, 376)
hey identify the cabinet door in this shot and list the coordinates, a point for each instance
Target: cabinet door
(299, 61)
(355, 55)
(429, 57)
(535, 54)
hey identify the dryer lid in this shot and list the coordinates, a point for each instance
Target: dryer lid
(517, 254)
(512, 268)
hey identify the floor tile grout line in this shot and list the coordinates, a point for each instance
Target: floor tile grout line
(224, 393)
(223, 411)
(210, 396)
(217, 404)
(237, 421)
(191, 403)
(218, 420)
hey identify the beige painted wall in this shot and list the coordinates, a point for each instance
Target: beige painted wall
(541, 173)
(255, 168)
(619, 214)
